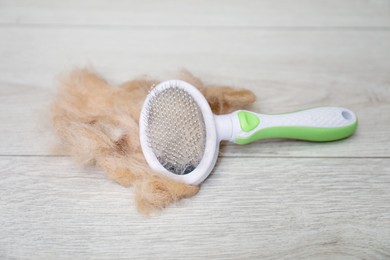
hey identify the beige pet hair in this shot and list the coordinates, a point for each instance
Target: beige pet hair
(98, 124)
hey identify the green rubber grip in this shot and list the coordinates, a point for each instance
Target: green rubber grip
(314, 134)
(316, 125)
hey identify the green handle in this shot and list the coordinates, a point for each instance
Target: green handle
(318, 124)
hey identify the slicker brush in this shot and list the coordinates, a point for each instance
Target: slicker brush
(180, 135)
(175, 129)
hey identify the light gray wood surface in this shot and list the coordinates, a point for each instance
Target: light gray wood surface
(273, 199)
(250, 208)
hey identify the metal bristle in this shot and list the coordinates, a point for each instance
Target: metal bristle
(175, 130)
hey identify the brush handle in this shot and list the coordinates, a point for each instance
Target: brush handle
(316, 124)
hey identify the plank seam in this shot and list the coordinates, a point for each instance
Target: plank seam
(197, 27)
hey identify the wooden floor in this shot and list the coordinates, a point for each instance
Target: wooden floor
(269, 200)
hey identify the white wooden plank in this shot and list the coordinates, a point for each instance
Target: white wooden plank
(25, 130)
(287, 71)
(242, 13)
(249, 208)
(254, 58)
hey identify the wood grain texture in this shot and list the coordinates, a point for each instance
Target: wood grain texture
(271, 59)
(273, 199)
(287, 71)
(257, 208)
(25, 128)
(231, 13)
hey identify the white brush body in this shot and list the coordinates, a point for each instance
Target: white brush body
(211, 147)
(196, 143)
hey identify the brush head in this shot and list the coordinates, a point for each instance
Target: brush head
(177, 132)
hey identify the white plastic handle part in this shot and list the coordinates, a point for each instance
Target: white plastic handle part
(316, 124)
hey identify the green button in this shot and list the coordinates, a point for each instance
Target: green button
(248, 121)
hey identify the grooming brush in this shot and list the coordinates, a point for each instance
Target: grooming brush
(180, 135)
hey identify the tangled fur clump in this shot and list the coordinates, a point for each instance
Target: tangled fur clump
(98, 124)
